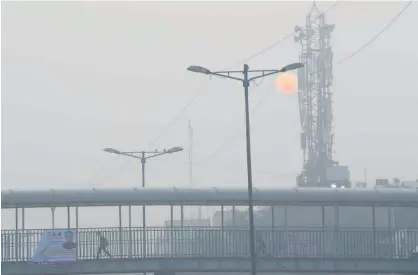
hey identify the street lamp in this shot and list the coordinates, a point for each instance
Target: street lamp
(143, 156)
(246, 83)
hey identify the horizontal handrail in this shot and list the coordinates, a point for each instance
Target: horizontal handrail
(166, 242)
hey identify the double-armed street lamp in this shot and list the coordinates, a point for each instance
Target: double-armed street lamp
(246, 80)
(143, 156)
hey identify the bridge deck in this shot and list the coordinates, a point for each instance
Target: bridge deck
(171, 265)
(220, 250)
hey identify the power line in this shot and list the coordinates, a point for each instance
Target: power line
(200, 91)
(286, 37)
(377, 35)
(179, 114)
(223, 145)
(232, 137)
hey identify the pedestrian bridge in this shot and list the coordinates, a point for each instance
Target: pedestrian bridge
(223, 249)
(225, 264)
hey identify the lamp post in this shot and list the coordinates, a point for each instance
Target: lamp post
(246, 83)
(143, 156)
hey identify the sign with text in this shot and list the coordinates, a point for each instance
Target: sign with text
(56, 246)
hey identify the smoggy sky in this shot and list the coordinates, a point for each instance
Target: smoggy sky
(81, 76)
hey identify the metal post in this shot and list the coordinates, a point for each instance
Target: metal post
(53, 217)
(389, 219)
(76, 218)
(181, 216)
(233, 217)
(130, 229)
(120, 233)
(68, 217)
(273, 224)
(173, 249)
(222, 230)
(181, 229)
(249, 172)
(144, 234)
(76, 228)
(323, 232)
(25, 235)
(222, 217)
(336, 228)
(374, 230)
(285, 218)
(143, 161)
(17, 246)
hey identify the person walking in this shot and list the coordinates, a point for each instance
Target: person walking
(261, 246)
(103, 244)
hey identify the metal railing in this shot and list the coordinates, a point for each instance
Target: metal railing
(163, 242)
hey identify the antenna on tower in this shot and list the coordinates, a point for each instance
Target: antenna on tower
(315, 104)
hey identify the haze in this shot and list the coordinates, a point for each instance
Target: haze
(81, 76)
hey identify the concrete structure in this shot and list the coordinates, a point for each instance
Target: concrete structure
(334, 230)
(213, 196)
(220, 249)
(215, 265)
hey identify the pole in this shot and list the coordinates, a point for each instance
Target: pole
(144, 235)
(190, 154)
(249, 172)
(53, 217)
(191, 167)
(68, 217)
(17, 249)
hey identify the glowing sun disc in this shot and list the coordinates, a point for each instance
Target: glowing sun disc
(287, 83)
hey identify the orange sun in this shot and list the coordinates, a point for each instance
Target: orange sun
(287, 83)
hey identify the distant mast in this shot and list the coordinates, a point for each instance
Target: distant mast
(191, 132)
(190, 154)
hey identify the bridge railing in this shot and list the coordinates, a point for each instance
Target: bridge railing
(163, 242)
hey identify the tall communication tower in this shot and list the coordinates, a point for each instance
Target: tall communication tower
(315, 105)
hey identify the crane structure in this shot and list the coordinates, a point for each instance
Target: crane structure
(315, 105)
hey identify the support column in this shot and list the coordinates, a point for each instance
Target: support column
(222, 230)
(234, 225)
(222, 217)
(273, 235)
(120, 233)
(337, 229)
(234, 221)
(130, 230)
(76, 218)
(323, 249)
(68, 217)
(17, 247)
(53, 217)
(173, 249)
(76, 230)
(25, 235)
(182, 229)
(144, 233)
(285, 218)
(374, 231)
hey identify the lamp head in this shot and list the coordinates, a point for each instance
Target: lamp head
(174, 150)
(291, 67)
(111, 150)
(198, 69)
